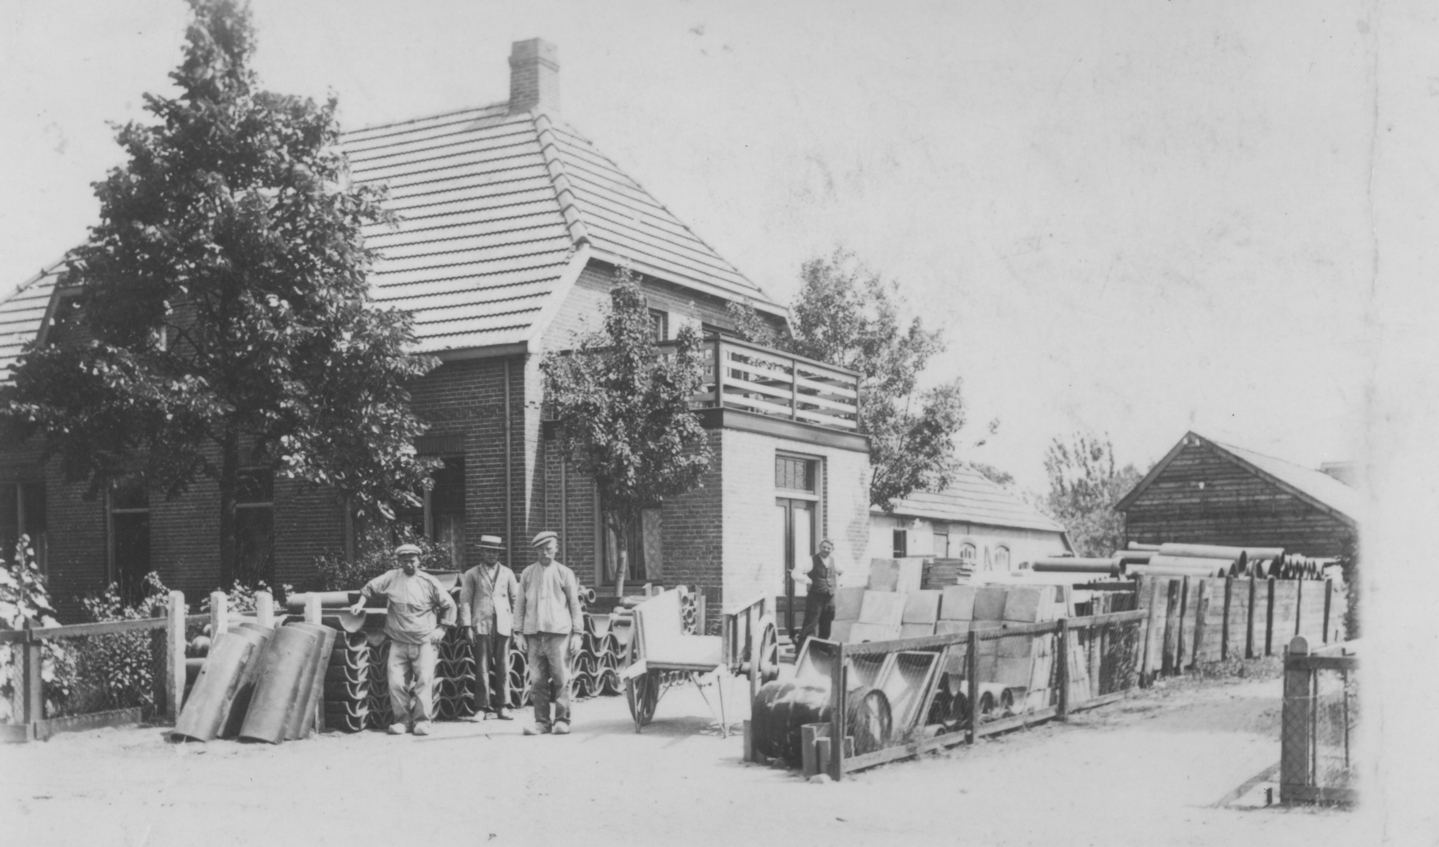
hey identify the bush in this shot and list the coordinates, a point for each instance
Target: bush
(24, 596)
(374, 554)
(117, 671)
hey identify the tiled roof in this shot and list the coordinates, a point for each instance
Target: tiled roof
(973, 498)
(22, 313)
(494, 207)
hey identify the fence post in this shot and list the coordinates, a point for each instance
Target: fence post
(175, 656)
(1144, 662)
(837, 719)
(1063, 659)
(1269, 621)
(1201, 613)
(312, 609)
(971, 673)
(1224, 632)
(219, 616)
(1171, 606)
(32, 661)
(1328, 601)
(1294, 740)
(1249, 622)
(1298, 606)
(264, 608)
(1183, 607)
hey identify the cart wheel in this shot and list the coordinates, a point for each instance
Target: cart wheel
(642, 693)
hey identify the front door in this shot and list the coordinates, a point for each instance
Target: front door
(796, 519)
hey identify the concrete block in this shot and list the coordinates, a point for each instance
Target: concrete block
(957, 603)
(882, 607)
(911, 575)
(943, 627)
(989, 603)
(1016, 647)
(839, 630)
(847, 603)
(915, 630)
(1012, 671)
(883, 574)
(1029, 603)
(922, 606)
(860, 632)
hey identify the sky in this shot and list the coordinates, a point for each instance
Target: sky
(1128, 218)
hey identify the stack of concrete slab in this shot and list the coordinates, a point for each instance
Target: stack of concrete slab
(897, 575)
(881, 616)
(921, 613)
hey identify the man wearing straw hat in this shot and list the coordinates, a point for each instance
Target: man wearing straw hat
(549, 627)
(488, 596)
(419, 612)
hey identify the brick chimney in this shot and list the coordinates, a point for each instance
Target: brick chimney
(534, 76)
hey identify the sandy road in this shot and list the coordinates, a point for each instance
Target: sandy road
(1143, 772)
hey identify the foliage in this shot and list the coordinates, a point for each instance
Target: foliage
(24, 597)
(847, 315)
(240, 598)
(117, 671)
(374, 554)
(224, 304)
(1084, 485)
(1003, 479)
(625, 411)
(1348, 561)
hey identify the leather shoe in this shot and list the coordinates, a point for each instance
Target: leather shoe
(504, 715)
(397, 729)
(536, 729)
(562, 728)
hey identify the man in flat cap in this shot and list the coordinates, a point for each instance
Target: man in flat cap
(488, 596)
(549, 627)
(419, 612)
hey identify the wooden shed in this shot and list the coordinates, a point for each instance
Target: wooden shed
(1204, 491)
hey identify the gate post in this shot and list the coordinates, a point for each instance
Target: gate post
(1294, 741)
(175, 656)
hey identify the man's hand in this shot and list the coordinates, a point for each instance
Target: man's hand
(520, 643)
(576, 641)
(472, 634)
(438, 635)
(358, 608)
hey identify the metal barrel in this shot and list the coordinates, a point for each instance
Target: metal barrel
(212, 696)
(290, 655)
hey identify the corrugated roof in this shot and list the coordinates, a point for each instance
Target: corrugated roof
(493, 206)
(23, 312)
(1315, 484)
(973, 498)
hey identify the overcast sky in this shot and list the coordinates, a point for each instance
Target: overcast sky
(1134, 218)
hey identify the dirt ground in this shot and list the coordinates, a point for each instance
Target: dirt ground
(1148, 771)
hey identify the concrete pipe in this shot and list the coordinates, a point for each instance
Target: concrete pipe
(299, 720)
(213, 695)
(1165, 570)
(1219, 551)
(283, 668)
(295, 604)
(1194, 562)
(1095, 566)
(1133, 556)
(1135, 545)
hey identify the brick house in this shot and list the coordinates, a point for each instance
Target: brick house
(1205, 491)
(513, 225)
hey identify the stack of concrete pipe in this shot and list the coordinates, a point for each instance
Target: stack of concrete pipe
(1211, 560)
(347, 684)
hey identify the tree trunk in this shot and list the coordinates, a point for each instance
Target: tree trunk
(622, 548)
(229, 488)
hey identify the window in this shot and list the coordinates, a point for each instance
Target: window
(941, 545)
(798, 523)
(441, 517)
(129, 503)
(1001, 558)
(643, 544)
(968, 551)
(901, 543)
(794, 474)
(660, 324)
(22, 512)
(255, 527)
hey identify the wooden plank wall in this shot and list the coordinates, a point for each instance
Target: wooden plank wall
(1204, 498)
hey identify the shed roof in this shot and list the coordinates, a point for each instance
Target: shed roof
(22, 314)
(1313, 486)
(973, 498)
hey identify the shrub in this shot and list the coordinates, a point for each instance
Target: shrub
(117, 671)
(374, 554)
(24, 596)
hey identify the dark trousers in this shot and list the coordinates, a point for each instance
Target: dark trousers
(818, 613)
(492, 672)
(548, 663)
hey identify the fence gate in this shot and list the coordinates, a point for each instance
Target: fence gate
(1321, 710)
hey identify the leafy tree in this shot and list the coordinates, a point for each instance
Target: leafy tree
(1003, 479)
(849, 316)
(224, 305)
(1084, 485)
(1350, 570)
(624, 407)
(25, 599)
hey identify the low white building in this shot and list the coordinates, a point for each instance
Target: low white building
(973, 519)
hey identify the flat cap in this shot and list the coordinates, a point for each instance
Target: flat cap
(408, 548)
(492, 542)
(547, 535)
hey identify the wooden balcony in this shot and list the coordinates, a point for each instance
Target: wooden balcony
(761, 381)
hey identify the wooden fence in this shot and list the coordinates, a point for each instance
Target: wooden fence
(1195, 621)
(167, 653)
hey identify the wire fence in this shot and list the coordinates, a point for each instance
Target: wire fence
(1320, 715)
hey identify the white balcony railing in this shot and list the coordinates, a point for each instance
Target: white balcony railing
(767, 382)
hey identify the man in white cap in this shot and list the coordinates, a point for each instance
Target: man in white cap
(419, 612)
(488, 596)
(549, 627)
